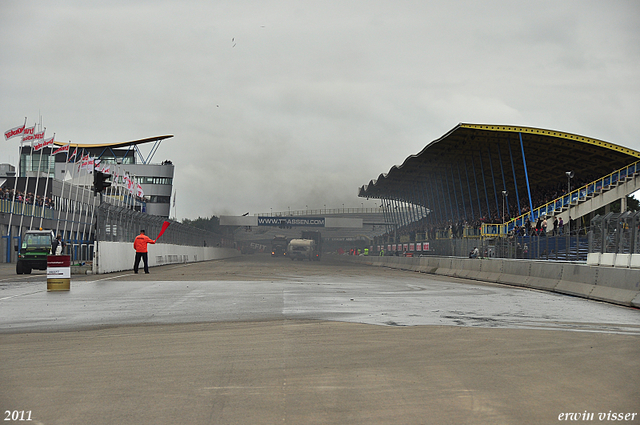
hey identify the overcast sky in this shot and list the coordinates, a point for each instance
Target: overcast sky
(288, 104)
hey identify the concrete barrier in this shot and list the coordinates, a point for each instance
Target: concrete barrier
(471, 268)
(515, 272)
(622, 260)
(118, 256)
(610, 284)
(620, 286)
(635, 261)
(577, 279)
(490, 269)
(445, 267)
(607, 259)
(544, 275)
(593, 258)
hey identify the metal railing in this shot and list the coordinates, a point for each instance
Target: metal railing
(323, 211)
(564, 202)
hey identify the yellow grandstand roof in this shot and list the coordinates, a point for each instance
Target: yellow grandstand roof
(116, 144)
(479, 161)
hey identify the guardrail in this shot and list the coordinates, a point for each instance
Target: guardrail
(29, 209)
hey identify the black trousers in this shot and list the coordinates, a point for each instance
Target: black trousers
(145, 260)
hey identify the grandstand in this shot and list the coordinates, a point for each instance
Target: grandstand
(493, 181)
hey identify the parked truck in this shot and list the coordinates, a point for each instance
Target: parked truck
(315, 236)
(302, 249)
(32, 254)
(279, 246)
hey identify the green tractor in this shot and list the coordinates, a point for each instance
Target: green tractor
(36, 246)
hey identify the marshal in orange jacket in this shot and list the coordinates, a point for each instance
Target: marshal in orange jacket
(141, 241)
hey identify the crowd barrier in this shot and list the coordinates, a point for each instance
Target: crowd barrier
(609, 284)
(119, 256)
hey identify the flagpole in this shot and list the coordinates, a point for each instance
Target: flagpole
(35, 192)
(79, 215)
(66, 160)
(26, 185)
(175, 209)
(72, 203)
(46, 185)
(81, 200)
(116, 180)
(15, 189)
(86, 217)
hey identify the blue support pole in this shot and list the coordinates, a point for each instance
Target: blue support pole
(515, 183)
(526, 175)
(436, 198)
(428, 203)
(432, 202)
(484, 183)
(416, 201)
(422, 199)
(391, 214)
(466, 171)
(8, 260)
(464, 207)
(396, 213)
(384, 213)
(493, 178)
(475, 178)
(404, 210)
(504, 182)
(444, 201)
(446, 177)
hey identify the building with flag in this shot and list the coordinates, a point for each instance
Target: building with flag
(134, 175)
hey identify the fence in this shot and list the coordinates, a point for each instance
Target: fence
(615, 233)
(118, 224)
(563, 247)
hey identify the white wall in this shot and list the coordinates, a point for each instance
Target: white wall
(118, 256)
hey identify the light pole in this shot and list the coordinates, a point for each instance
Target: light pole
(569, 177)
(504, 198)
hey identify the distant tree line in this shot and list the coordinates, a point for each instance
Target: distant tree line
(211, 224)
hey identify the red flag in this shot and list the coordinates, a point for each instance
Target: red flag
(15, 131)
(164, 227)
(61, 149)
(28, 134)
(75, 151)
(45, 142)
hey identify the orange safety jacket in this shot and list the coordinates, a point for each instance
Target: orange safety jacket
(140, 243)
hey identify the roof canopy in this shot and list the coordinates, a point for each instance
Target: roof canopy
(116, 144)
(474, 163)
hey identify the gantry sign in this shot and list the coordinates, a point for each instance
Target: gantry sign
(274, 221)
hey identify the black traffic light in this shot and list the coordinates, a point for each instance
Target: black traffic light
(100, 181)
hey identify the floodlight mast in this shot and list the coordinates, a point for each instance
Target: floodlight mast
(569, 177)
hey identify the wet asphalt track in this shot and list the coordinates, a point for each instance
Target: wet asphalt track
(259, 287)
(256, 340)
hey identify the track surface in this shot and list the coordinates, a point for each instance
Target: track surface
(263, 340)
